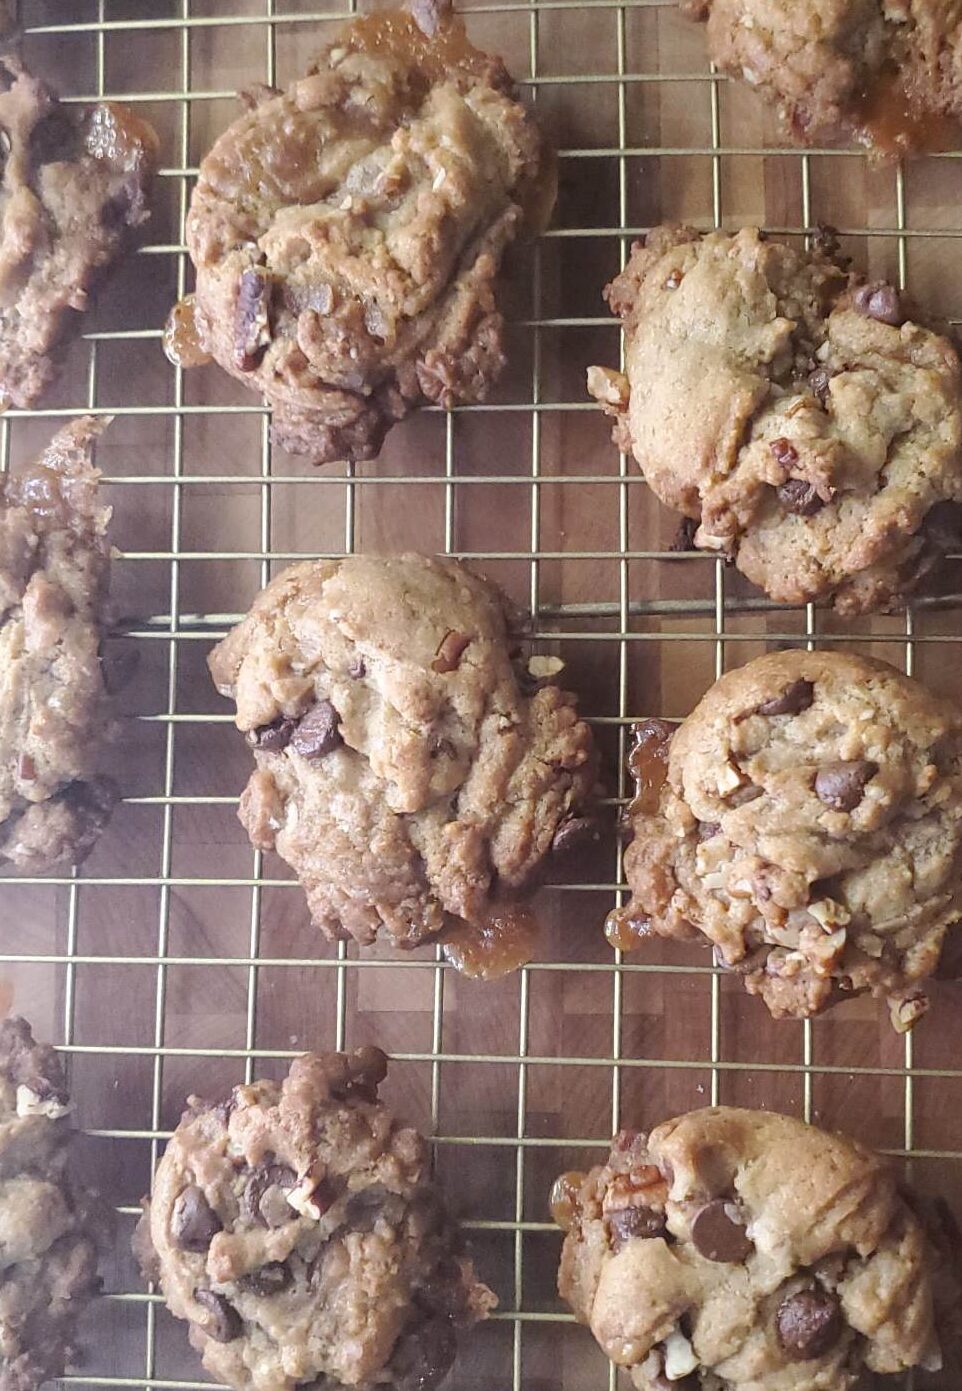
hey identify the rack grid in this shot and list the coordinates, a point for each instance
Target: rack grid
(179, 960)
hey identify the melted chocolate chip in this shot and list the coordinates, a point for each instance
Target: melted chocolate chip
(55, 138)
(684, 539)
(224, 1323)
(718, 1234)
(267, 1280)
(252, 331)
(627, 1222)
(422, 1359)
(370, 1205)
(317, 733)
(193, 1221)
(573, 834)
(273, 737)
(260, 1182)
(879, 301)
(808, 1323)
(799, 497)
(840, 785)
(784, 452)
(818, 381)
(792, 701)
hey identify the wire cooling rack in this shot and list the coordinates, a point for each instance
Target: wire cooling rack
(179, 960)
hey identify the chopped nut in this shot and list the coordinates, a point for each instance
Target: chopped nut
(303, 1199)
(449, 651)
(907, 1011)
(30, 1104)
(829, 914)
(544, 668)
(680, 1359)
(729, 778)
(608, 387)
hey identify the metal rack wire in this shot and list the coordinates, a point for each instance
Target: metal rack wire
(635, 1039)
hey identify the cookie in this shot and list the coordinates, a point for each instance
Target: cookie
(809, 825)
(886, 74)
(52, 1230)
(347, 234)
(823, 428)
(734, 1249)
(74, 181)
(295, 1228)
(406, 769)
(54, 708)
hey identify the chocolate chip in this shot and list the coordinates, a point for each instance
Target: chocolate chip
(840, 785)
(26, 768)
(572, 834)
(225, 1323)
(684, 538)
(879, 301)
(372, 1204)
(718, 1233)
(707, 829)
(799, 497)
(273, 737)
(317, 733)
(252, 330)
(627, 1222)
(449, 651)
(784, 451)
(423, 1359)
(260, 1182)
(193, 1221)
(818, 381)
(808, 1323)
(357, 669)
(792, 701)
(267, 1280)
(55, 138)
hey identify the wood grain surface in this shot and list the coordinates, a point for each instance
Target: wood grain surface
(161, 982)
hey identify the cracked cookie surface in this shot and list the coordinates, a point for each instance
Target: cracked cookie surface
(54, 709)
(50, 1228)
(347, 233)
(295, 1228)
(403, 769)
(883, 71)
(734, 1248)
(809, 825)
(822, 429)
(74, 181)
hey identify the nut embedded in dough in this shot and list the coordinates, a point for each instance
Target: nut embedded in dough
(808, 424)
(295, 1228)
(410, 773)
(805, 819)
(348, 233)
(762, 1252)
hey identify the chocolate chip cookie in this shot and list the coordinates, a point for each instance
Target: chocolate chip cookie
(294, 1227)
(734, 1248)
(347, 233)
(822, 432)
(883, 71)
(74, 181)
(407, 769)
(54, 709)
(809, 825)
(50, 1229)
